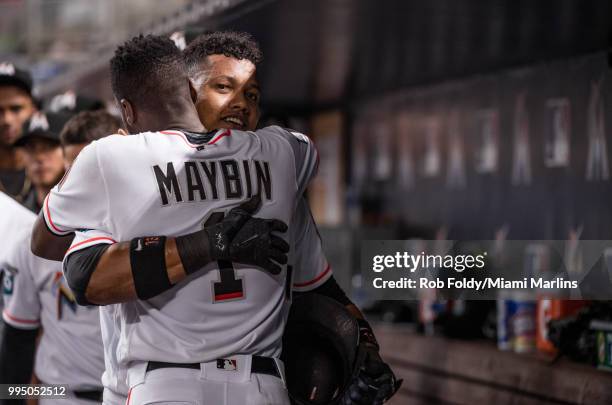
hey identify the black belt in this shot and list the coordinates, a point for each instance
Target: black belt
(91, 395)
(259, 365)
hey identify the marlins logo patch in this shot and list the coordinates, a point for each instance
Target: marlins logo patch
(8, 281)
(65, 297)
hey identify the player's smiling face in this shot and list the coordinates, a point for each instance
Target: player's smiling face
(227, 93)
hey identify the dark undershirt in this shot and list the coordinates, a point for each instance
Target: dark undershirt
(30, 201)
(12, 180)
(198, 138)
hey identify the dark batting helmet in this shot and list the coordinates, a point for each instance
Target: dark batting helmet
(319, 350)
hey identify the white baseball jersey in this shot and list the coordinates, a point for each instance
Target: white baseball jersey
(13, 219)
(70, 349)
(163, 184)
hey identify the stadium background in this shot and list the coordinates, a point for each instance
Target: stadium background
(441, 119)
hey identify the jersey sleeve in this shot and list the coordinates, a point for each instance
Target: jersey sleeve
(305, 155)
(311, 266)
(20, 294)
(80, 199)
(89, 237)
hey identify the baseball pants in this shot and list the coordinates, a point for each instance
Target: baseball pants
(111, 397)
(222, 382)
(70, 399)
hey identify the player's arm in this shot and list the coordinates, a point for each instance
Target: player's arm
(17, 348)
(46, 244)
(21, 314)
(145, 267)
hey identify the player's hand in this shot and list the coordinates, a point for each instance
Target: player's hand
(256, 244)
(375, 382)
(221, 234)
(243, 239)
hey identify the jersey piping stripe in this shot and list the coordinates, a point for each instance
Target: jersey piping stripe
(228, 296)
(48, 217)
(181, 135)
(127, 402)
(91, 240)
(6, 314)
(227, 132)
(311, 282)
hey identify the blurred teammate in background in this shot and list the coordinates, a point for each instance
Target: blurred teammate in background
(42, 155)
(36, 295)
(16, 107)
(84, 128)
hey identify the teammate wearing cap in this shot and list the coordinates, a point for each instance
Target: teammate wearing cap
(16, 107)
(43, 155)
(70, 102)
(36, 294)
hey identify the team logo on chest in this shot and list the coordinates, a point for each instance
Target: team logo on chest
(8, 281)
(64, 295)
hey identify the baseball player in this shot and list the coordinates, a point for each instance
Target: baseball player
(211, 302)
(222, 67)
(36, 295)
(70, 347)
(16, 107)
(13, 218)
(43, 155)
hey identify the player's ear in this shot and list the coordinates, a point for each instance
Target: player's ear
(127, 112)
(192, 91)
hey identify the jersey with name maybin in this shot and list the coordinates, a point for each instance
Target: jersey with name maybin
(161, 183)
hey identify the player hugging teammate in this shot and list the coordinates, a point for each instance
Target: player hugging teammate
(193, 241)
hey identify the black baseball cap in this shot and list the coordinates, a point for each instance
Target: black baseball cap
(11, 75)
(73, 103)
(43, 125)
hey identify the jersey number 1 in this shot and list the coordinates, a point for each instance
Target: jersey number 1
(229, 287)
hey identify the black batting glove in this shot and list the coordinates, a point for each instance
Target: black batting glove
(238, 238)
(256, 245)
(221, 234)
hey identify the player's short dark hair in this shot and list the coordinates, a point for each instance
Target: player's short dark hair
(239, 45)
(88, 126)
(146, 66)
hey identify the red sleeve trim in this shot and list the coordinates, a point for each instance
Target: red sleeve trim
(19, 320)
(54, 228)
(313, 281)
(91, 240)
